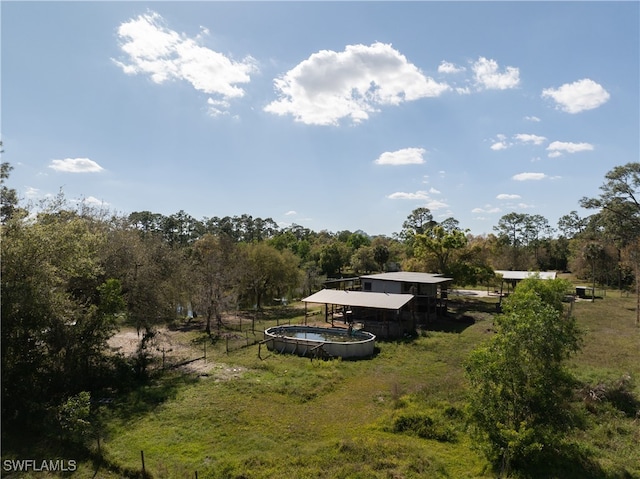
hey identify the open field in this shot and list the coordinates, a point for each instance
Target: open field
(400, 414)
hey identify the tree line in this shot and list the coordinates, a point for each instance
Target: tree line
(72, 274)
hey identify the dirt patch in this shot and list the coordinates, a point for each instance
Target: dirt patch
(170, 349)
(205, 368)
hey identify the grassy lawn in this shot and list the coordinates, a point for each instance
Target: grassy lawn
(398, 415)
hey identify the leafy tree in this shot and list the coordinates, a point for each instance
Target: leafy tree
(146, 221)
(154, 279)
(242, 228)
(8, 196)
(216, 275)
(288, 239)
(268, 271)
(521, 234)
(311, 277)
(363, 260)
(417, 222)
(511, 231)
(357, 240)
(74, 416)
(57, 311)
(440, 243)
(381, 255)
(520, 389)
(333, 257)
(537, 229)
(181, 229)
(620, 197)
(619, 211)
(571, 224)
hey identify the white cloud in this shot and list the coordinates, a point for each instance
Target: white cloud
(505, 196)
(529, 176)
(463, 90)
(163, 54)
(487, 209)
(532, 118)
(435, 205)
(447, 67)
(418, 195)
(406, 156)
(488, 77)
(500, 145)
(433, 191)
(578, 96)
(31, 193)
(430, 203)
(76, 165)
(521, 138)
(330, 86)
(557, 148)
(291, 213)
(528, 138)
(217, 107)
(93, 201)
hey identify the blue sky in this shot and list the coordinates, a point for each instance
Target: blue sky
(329, 115)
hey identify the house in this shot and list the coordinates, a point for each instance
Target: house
(429, 290)
(388, 304)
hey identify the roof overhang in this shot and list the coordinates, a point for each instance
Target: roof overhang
(364, 299)
(409, 277)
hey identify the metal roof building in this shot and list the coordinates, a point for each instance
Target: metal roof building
(388, 304)
(361, 299)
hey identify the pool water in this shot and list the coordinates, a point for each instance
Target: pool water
(332, 336)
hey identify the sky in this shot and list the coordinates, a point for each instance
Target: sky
(330, 115)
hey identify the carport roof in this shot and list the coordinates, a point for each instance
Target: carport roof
(365, 299)
(518, 275)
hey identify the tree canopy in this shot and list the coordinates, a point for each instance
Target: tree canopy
(520, 387)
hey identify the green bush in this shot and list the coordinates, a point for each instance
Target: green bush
(423, 426)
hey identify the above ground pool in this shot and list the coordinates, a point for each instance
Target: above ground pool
(314, 341)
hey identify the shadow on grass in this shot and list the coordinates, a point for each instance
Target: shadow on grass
(461, 313)
(474, 305)
(451, 324)
(569, 461)
(149, 395)
(187, 325)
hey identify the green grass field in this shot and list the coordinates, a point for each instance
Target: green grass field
(400, 414)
